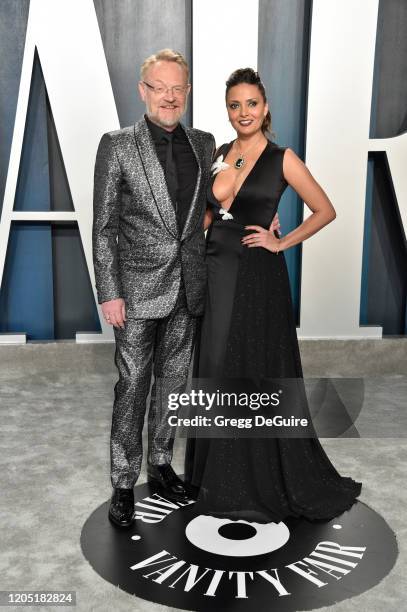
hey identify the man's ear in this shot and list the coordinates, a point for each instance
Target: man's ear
(142, 91)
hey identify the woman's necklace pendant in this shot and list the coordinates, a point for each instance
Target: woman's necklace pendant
(239, 163)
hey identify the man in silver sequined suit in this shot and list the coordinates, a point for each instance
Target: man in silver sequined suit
(150, 271)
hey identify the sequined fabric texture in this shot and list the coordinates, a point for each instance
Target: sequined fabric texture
(164, 347)
(141, 256)
(138, 252)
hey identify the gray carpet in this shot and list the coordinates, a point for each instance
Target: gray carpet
(56, 410)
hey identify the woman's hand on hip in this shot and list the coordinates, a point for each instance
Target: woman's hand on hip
(262, 238)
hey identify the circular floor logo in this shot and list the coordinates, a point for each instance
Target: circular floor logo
(177, 558)
(235, 538)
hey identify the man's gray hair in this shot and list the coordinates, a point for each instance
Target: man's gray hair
(165, 55)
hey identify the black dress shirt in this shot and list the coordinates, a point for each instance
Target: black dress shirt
(186, 164)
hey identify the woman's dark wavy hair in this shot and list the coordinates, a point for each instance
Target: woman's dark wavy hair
(251, 77)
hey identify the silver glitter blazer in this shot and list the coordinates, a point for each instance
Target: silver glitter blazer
(138, 251)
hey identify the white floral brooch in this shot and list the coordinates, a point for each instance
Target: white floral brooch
(225, 214)
(219, 165)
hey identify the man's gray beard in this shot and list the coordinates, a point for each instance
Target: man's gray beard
(164, 123)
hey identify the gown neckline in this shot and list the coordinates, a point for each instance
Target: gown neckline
(229, 146)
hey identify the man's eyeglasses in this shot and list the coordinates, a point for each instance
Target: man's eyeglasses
(176, 90)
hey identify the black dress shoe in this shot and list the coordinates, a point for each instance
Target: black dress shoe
(122, 507)
(165, 476)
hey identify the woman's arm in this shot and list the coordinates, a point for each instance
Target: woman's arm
(301, 180)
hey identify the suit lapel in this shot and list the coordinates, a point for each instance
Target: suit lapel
(155, 176)
(194, 210)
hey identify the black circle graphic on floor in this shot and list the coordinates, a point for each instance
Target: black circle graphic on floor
(237, 531)
(172, 556)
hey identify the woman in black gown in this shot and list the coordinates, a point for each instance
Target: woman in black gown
(248, 329)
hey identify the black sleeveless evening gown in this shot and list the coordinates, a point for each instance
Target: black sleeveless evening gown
(248, 331)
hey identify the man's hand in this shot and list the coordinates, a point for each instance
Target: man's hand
(114, 312)
(275, 225)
